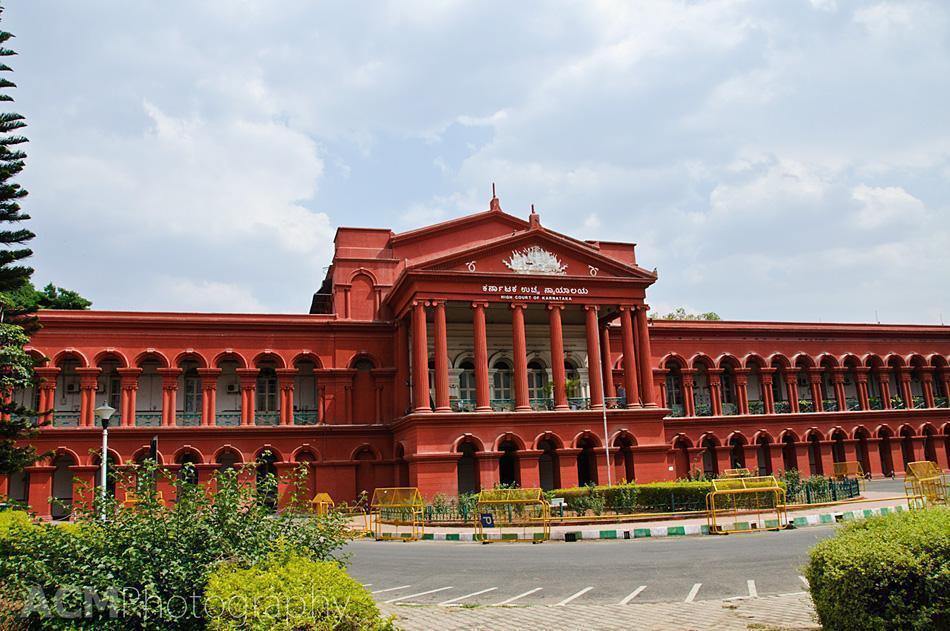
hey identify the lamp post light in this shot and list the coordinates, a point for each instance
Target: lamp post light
(104, 412)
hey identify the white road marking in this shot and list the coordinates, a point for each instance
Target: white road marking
(458, 598)
(633, 594)
(431, 591)
(391, 589)
(514, 598)
(805, 581)
(367, 584)
(753, 592)
(577, 595)
(692, 593)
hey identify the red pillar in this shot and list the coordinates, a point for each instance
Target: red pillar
(837, 378)
(715, 390)
(606, 357)
(169, 392)
(827, 458)
(861, 379)
(814, 382)
(129, 382)
(629, 359)
(209, 395)
(402, 368)
(520, 352)
(567, 463)
(285, 382)
(248, 380)
(4, 485)
(885, 385)
(420, 359)
(777, 456)
(41, 488)
(600, 459)
(47, 376)
(594, 374)
(488, 473)
(88, 382)
(742, 390)
(530, 469)
(724, 458)
(765, 381)
(874, 457)
(647, 389)
(689, 403)
(791, 384)
(906, 392)
(557, 357)
(482, 394)
(927, 382)
(441, 360)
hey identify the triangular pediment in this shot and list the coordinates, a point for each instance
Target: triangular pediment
(533, 253)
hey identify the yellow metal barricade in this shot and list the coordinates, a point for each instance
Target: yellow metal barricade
(729, 474)
(850, 470)
(523, 513)
(734, 498)
(924, 484)
(321, 504)
(398, 507)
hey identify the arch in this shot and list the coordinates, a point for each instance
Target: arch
(762, 434)
(850, 359)
(681, 440)
(727, 360)
(509, 436)
(111, 353)
(358, 357)
(925, 427)
(859, 431)
(269, 355)
(625, 435)
(872, 360)
(307, 355)
(550, 437)
(362, 271)
(803, 360)
(306, 448)
(731, 438)
(94, 458)
(754, 360)
(710, 439)
(701, 359)
(188, 449)
(812, 432)
(499, 356)
(837, 432)
(787, 433)
(151, 353)
(681, 461)
(268, 448)
(462, 358)
(62, 484)
(366, 447)
(142, 452)
(827, 360)
(39, 358)
(675, 358)
(191, 355)
(915, 359)
(883, 431)
(228, 449)
(229, 354)
(588, 435)
(70, 353)
(779, 360)
(66, 451)
(893, 359)
(467, 438)
(708, 443)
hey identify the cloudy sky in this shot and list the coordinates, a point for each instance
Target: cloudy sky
(774, 160)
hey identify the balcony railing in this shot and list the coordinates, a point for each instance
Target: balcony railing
(540, 405)
(615, 403)
(897, 403)
(875, 403)
(783, 407)
(503, 405)
(306, 417)
(756, 407)
(578, 403)
(919, 403)
(188, 419)
(829, 405)
(941, 402)
(677, 410)
(266, 419)
(65, 419)
(228, 419)
(806, 405)
(729, 409)
(853, 405)
(148, 419)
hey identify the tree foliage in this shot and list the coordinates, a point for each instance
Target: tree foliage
(681, 314)
(27, 298)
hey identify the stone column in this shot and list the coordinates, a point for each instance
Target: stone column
(814, 383)
(441, 360)
(689, 403)
(488, 471)
(607, 372)
(874, 457)
(724, 458)
(482, 388)
(906, 392)
(777, 456)
(629, 359)
(837, 378)
(765, 381)
(402, 368)
(520, 352)
(885, 386)
(209, 395)
(567, 463)
(558, 373)
(861, 381)
(647, 389)
(41, 489)
(88, 382)
(248, 380)
(594, 372)
(715, 390)
(530, 471)
(827, 458)
(47, 385)
(926, 381)
(285, 384)
(129, 381)
(169, 394)
(742, 390)
(791, 385)
(420, 359)
(659, 378)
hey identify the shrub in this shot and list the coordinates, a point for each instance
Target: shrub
(655, 497)
(289, 592)
(890, 572)
(14, 521)
(142, 558)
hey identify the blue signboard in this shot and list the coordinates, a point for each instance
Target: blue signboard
(488, 520)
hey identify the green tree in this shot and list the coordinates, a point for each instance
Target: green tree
(16, 366)
(28, 298)
(681, 314)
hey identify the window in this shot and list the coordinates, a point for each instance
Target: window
(467, 381)
(267, 390)
(502, 381)
(537, 381)
(728, 388)
(115, 392)
(192, 391)
(674, 389)
(573, 380)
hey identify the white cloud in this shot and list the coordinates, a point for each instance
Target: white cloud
(184, 294)
(881, 206)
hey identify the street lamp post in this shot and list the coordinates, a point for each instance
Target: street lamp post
(104, 412)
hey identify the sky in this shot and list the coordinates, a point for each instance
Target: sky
(773, 160)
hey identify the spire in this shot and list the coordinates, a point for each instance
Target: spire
(534, 220)
(494, 204)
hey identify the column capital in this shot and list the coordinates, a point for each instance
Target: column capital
(286, 372)
(478, 304)
(169, 372)
(245, 373)
(208, 372)
(88, 371)
(422, 303)
(129, 372)
(553, 306)
(591, 307)
(517, 305)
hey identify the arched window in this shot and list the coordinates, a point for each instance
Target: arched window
(267, 390)
(467, 381)
(192, 391)
(188, 473)
(502, 381)
(537, 381)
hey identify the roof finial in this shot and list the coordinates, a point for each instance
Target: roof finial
(534, 220)
(494, 204)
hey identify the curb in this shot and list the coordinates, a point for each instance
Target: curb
(801, 521)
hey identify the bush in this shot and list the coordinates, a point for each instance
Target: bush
(289, 592)
(144, 558)
(652, 497)
(13, 521)
(890, 572)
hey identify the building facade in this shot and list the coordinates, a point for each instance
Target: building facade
(481, 350)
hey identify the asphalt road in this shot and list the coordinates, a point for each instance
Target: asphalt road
(553, 572)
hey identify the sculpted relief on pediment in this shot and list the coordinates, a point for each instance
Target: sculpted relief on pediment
(535, 260)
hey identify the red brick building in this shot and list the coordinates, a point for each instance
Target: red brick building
(480, 350)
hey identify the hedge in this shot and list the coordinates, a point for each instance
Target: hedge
(890, 572)
(289, 593)
(654, 496)
(13, 520)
